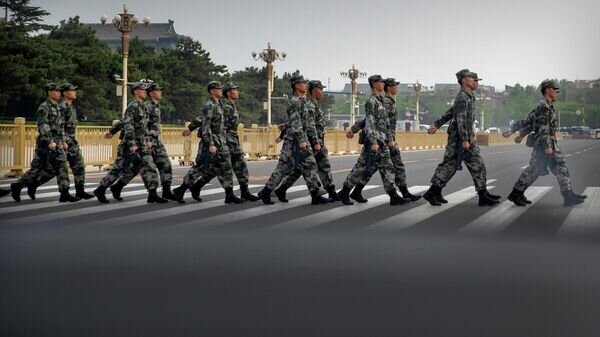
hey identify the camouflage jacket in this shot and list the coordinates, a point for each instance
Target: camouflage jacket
(318, 118)
(300, 125)
(389, 103)
(70, 115)
(446, 117)
(135, 124)
(50, 122)
(377, 126)
(153, 121)
(232, 120)
(213, 125)
(545, 125)
(464, 117)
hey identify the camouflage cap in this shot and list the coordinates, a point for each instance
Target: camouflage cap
(67, 87)
(390, 82)
(475, 76)
(229, 86)
(51, 87)
(375, 78)
(214, 85)
(466, 73)
(137, 86)
(297, 78)
(549, 84)
(153, 86)
(315, 84)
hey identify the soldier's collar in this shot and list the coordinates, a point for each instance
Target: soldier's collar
(470, 94)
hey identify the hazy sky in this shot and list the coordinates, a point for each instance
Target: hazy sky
(505, 42)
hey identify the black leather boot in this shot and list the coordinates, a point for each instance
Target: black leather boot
(357, 194)
(395, 199)
(570, 198)
(66, 196)
(15, 190)
(31, 189)
(280, 193)
(166, 192)
(332, 194)
(4, 192)
(179, 192)
(100, 194)
(196, 188)
(407, 195)
(517, 198)
(265, 196)
(116, 190)
(432, 196)
(485, 200)
(344, 196)
(81, 193)
(317, 199)
(246, 195)
(154, 198)
(231, 198)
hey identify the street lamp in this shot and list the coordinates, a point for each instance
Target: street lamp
(353, 74)
(417, 87)
(125, 23)
(269, 55)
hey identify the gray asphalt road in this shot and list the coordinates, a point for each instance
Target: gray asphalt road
(209, 269)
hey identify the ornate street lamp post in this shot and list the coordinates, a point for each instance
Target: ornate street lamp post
(269, 55)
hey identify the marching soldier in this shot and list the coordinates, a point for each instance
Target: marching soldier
(462, 146)
(135, 148)
(375, 155)
(50, 159)
(315, 90)
(214, 159)
(297, 150)
(546, 152)
(74, 156)
(159, 152)
(389, 103)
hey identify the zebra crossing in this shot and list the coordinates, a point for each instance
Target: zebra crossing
(582, 219)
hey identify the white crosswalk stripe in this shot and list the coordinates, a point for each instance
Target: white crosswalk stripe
(499, 217)
(55, 193)
(192, 206)
(584, 218)
(322, 217)
(421, 213)
(100, 208)
(230, 217)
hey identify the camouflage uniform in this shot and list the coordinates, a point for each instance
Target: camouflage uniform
(317, 117)
(461, 129)
(134, 131)
(232, 120)
(159, 152)
(300, 129)
(208, 166)
(48, 164)
(377, 131)
(544, 125)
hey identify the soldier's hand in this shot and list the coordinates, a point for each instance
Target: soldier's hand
(432, 129)
(317, 147)
(212, 149)
(391, 144)
(374, 147)
(65, 146)
(108, 135)
(349, 134)
(52, 146)
(149, 145)
(278, 140)
(506, 134)
(303, 145)
(549, 152)
(133, 148)
(466, 145)
(186, 132)
(518, 139)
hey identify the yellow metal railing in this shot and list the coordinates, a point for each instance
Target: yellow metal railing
(17, 143)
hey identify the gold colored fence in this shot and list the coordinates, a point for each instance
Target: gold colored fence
(17, 143)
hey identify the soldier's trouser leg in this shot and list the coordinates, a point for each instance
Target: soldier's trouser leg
(163, 164)
(33, 175)
(62, 175)
(148, 171)
(558, 167)
(77, 165)
(195, 171)
(240, 167)
(385, 168)
(399, 169)
(222, 169)
(445, 170)
(310, 170)
(357, 174)
(285, 166)
(477, 169)
(117, 168)
(531, 172)
(324, 168)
